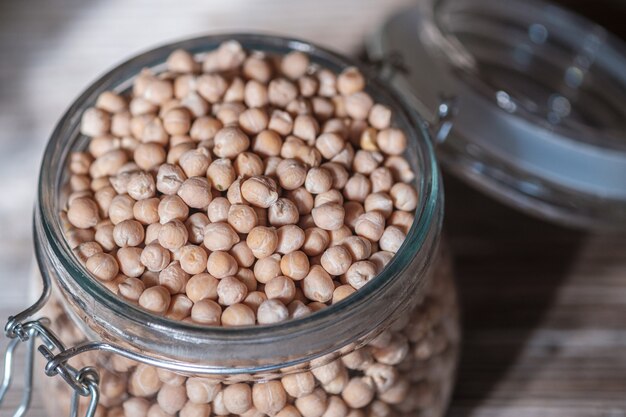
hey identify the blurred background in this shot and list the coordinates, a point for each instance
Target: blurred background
(544, 307)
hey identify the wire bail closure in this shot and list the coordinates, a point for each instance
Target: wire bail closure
(19, 330)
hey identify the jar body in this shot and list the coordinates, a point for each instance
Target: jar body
(404, 370)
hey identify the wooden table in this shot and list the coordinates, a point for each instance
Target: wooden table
(544, 307)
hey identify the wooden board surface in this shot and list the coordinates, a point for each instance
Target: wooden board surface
(544, 307)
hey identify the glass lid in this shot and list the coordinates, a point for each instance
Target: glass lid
(538, 96)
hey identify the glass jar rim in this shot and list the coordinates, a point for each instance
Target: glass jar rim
(419, 239)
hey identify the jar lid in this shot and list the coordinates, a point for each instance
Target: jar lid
(538, 99)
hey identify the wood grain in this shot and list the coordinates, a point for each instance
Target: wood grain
(544, 307)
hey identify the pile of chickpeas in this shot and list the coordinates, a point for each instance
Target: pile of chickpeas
(243, 189)
(238, 188)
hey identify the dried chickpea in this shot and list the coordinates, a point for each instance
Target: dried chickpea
(155, 299)
(146, 211)
(246, 276)
(103, 266)
(229, 142)
(221, 264)
(169, 179)
(350, 81)
(220, 236)
(318, 180)
(231, 290)
(259, 191)
(174, 278)
(330, 196)
(238, 315)
(295, 265)
(149, 156)
(204, 128)
(253, 120)
(391, 239)
(128, 233)
(218, 209)
(329, 216)
(338, 236)
(128, 259)
(155, 257)
(318, 285)
(262, 241)
(272, 311)
(242, 254)
(341, 292)
(360, 273)
(95, 122)
(267, 268)
(173, 235)
(281, 288)
(238, 398)
(202, 390)
(83, 213)
(172, 207)
(248, 164)
(282, 212)
(302, 198)
(404, 197)
(195, 162)
(193, 259)
(312, 405)
(201, 286)
(336, 260)
(353, 210)
(370, 225)
(316, 240)
(290, 238)
(207, 312)
(195, 410)
(329, 144)
(291, 174)
(195, 192)
(401, 219)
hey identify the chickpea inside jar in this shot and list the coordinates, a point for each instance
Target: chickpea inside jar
(244, 226)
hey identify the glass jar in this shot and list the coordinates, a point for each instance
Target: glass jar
(396, 338)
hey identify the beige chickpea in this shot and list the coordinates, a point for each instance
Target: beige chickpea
(295, 265)
(267, 268)
(294, 64)
(299, 106)
(231, 290)
(341, 292)
(307, 86)
(336, 260)
(195, 192)
(257, 68)
(171, 398)
(322, 107)
(259, 191)
(370, 225)
(221, 264)
(291, 174)
(174, 278)
(103, 266)
(282, 212)
(392, 141)
(316, 240)
(83, 213)
(228, 113)
(111, 102)
(382, 180)
(380, 202)
(291, 147)
(169, 179)
(318, 180)
(104, 196)
(193, 259)
(173, 235)
(201, 286)
(80, 162)
(360, 273)
(150, 279)
(177, 121)
(195, 162)
(129, 262)
(298, 309)
(350, 81)
(314, 404)
(220, 236)
(155, 299)
(235, 92)
(329, 144)
(392, 239)
(357, 188)
(155, 257)
(206, 312)
(269, 397)
(380, 260)
(146, 211)
(404, 197)
(380, 116)
(330, 196)
(221, 173)
(87, 249)
(281, 92)
(329, 216)
(327, 80)
(80, 184)
(136, 406)
(302, 199)
(242, 254)
(95, 122)
(120, 124)
(402, 219)
(281, 122)
(359, 392)
(262, 241)
(328, 371)
(290, 238)
(238, 315)
(202, 390)
(253, 120)
(358, 105)
(272, 311)
(267, 143)
(144, 381)
(104, 236)
(218, 210)
(128, 233)
(238, 398)
(318, 285)
(248, 164)
(158, 91)
(359, 247)
(400, 168)
(204, 128)
(255, 94)
(181, 61)
(346, 156)
(229, 142)
(172, 207)
(149, 155)
(253, 300)
(211, 87)
(281, 288)
(306, 127)
(242, 218)
(299, 384)
(367, 140)
(195, 225)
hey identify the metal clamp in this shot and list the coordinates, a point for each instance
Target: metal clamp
(84, 382)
